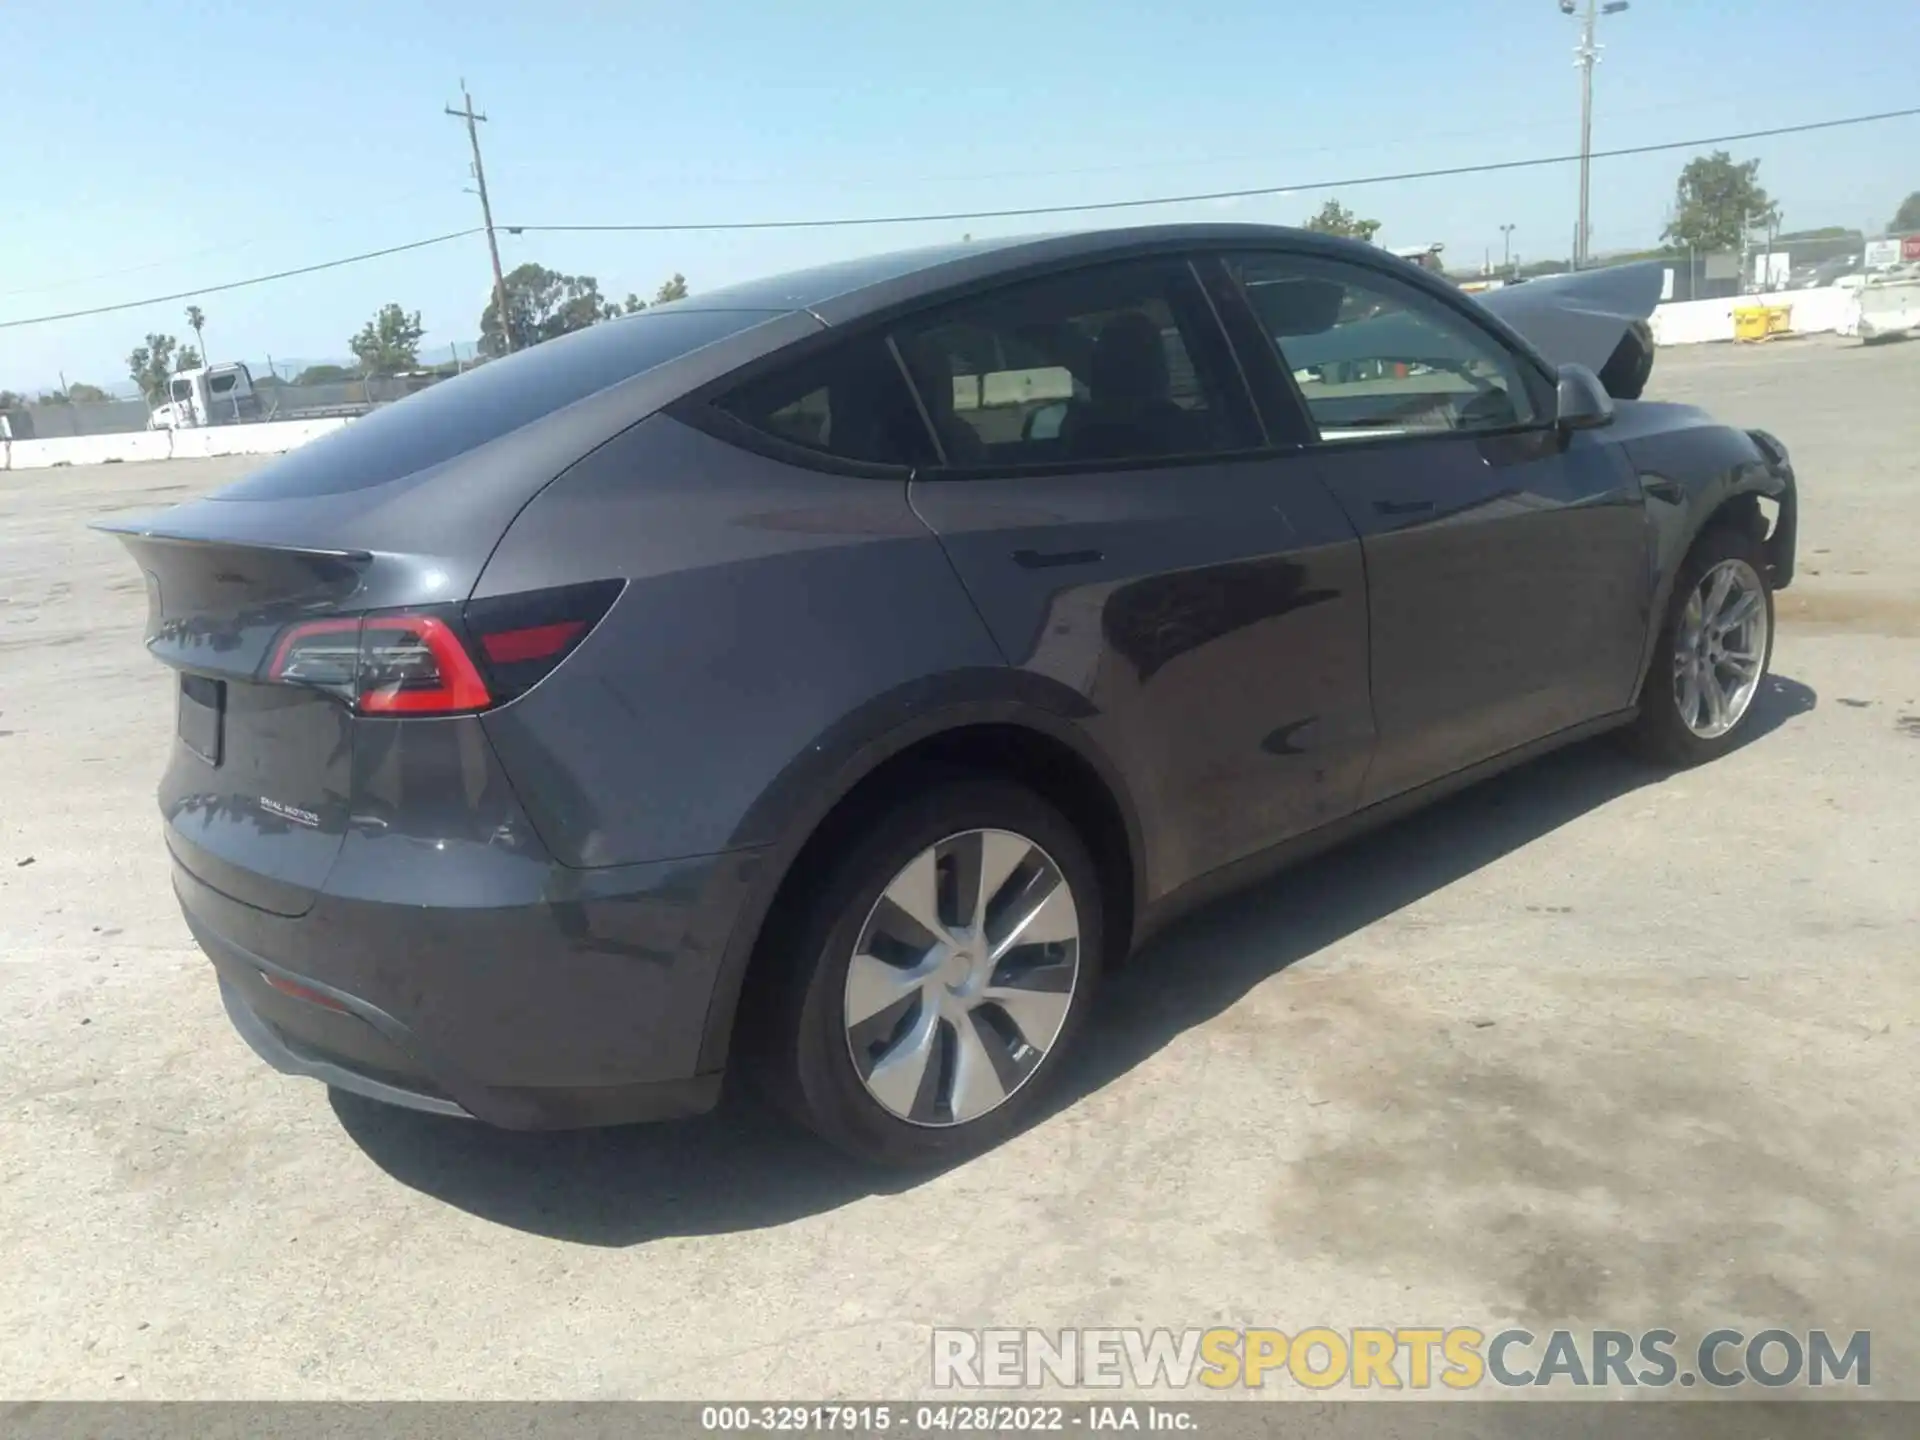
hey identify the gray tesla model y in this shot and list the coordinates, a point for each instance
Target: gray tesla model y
(828, 677)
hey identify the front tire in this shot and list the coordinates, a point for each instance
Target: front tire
(1712, 655)
(944, 967)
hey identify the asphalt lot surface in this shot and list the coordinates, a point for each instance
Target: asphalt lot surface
(1586, 1047)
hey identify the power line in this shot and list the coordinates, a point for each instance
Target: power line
(242, 284)
(1695, 100)
(1487, 168)
(1351, 183)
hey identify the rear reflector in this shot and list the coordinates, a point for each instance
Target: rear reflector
(441, 661)
(301, 992)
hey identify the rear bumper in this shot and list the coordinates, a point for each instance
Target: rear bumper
(583, 1009)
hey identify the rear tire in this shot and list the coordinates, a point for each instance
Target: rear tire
(943, 968)
(1712, 657)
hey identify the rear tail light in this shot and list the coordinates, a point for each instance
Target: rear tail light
(440, 661)
(522, 637)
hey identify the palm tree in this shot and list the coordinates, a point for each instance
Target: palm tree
(198, 320)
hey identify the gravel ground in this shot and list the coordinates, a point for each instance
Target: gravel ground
(1586, 1047)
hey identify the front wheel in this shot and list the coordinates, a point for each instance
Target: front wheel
(1712, 655)
(945, 967)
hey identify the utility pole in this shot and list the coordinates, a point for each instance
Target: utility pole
(1506, 250)
(1586, 56)
(466, 113)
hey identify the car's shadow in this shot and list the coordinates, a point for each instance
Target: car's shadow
(744, 1167)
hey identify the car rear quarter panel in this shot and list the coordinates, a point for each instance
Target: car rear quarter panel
(765, 605)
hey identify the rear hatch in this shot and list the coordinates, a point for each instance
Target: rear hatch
(332, 584)
(397, 512)
(256, 793)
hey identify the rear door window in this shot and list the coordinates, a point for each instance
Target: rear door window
(1116, 363)
(848, 402)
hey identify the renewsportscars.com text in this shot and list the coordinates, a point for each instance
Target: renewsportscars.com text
(1459, 1357)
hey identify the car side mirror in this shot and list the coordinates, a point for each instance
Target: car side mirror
(1580, 401)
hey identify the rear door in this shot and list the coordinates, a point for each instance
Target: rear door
(1103, 496)
(1508, 567)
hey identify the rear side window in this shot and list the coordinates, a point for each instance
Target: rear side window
(849, 401)
(1114, 363)
(1373, 358)
(468, 411)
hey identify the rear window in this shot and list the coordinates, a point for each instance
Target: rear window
(468, 411)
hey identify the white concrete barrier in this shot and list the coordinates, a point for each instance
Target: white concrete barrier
(270, 438)
(267, 439)
(1693, 322)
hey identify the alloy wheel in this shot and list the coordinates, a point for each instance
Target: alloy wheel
(1720, 649)
(963, 974)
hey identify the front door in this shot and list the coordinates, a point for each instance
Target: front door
(1507, 572)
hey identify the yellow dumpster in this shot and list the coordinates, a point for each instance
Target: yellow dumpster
(1761, 322)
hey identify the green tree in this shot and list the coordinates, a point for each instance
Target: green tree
(1335, 219)
(197, 319)
(542, 304)
(11, 400)
(669, 291)
(150, 364)
(81, 393)
(324, 375)
(1716, 202)
(186, 358)
(1907, 217)
(390, 342)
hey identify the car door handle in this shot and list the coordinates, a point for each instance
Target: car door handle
(1047, 559)
(1403, 507)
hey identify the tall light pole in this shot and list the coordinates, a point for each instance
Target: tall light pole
(1586, 56)
(1506, 250)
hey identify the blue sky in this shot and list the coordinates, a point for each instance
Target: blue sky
(150, 149)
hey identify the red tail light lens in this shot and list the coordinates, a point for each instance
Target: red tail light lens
(416, 665)
(533, 642)
(388, 664)
(522, 637)
(422, 663)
